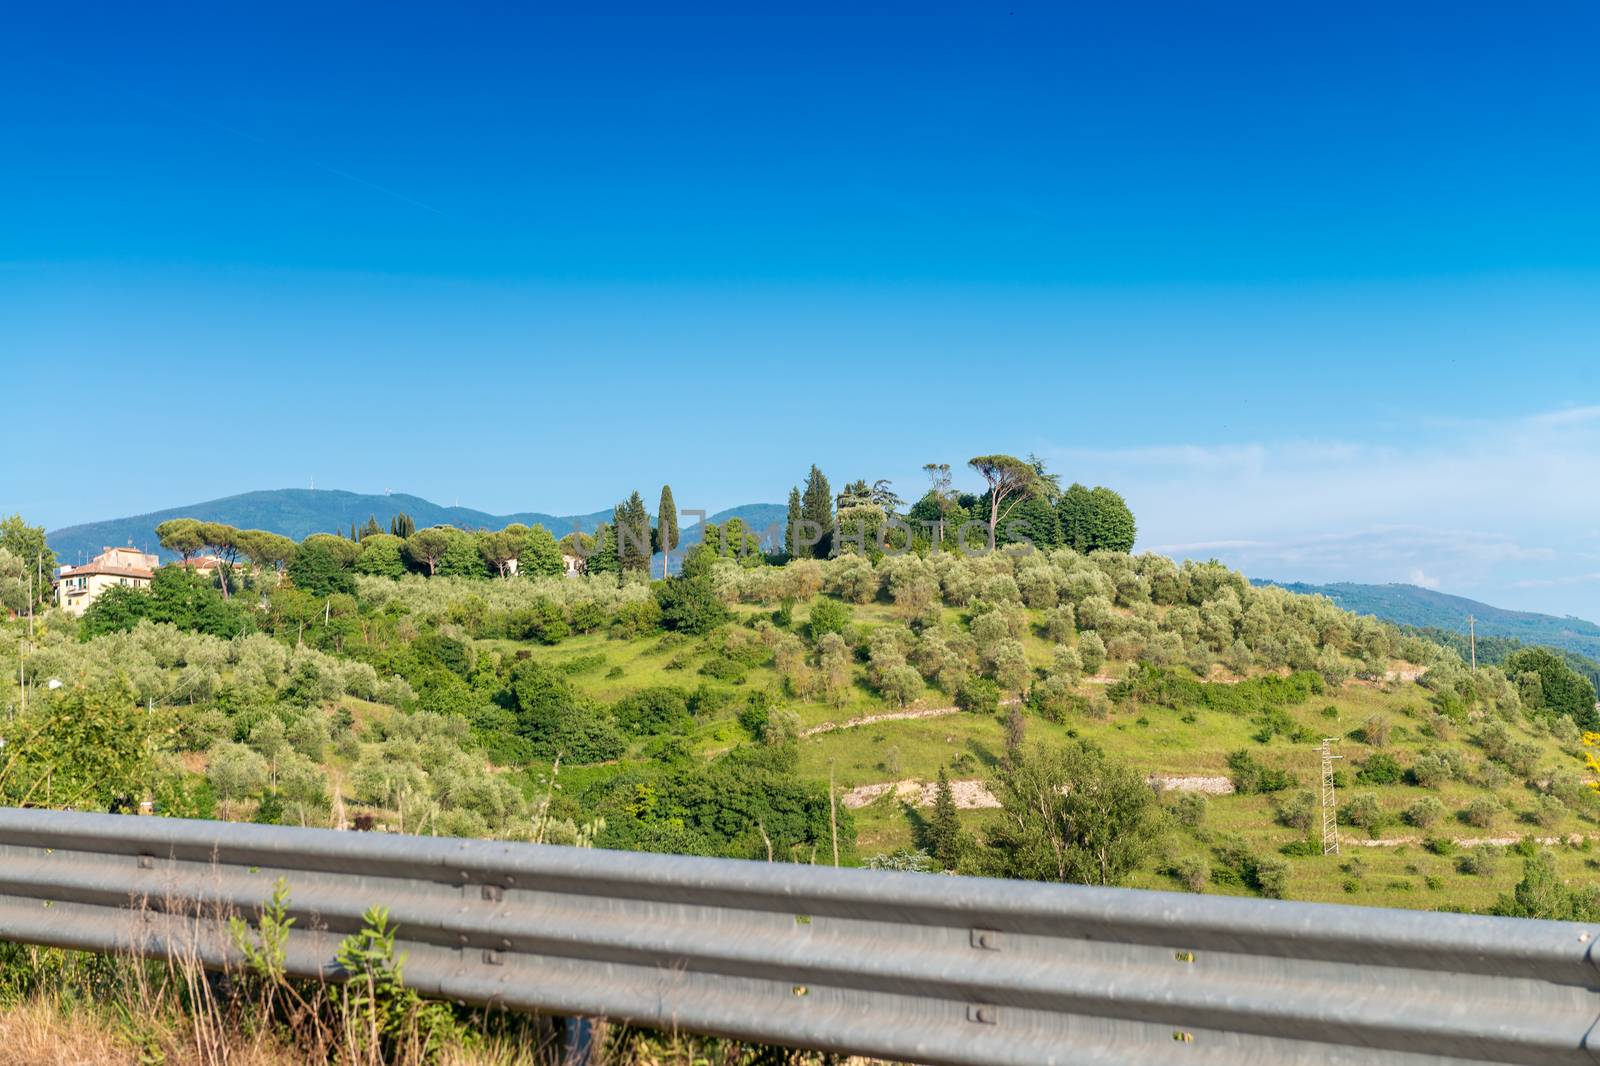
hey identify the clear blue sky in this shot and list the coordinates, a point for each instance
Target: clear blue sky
(1316, 287)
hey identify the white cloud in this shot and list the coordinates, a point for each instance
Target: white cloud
(1417, 577)
(1490, 509)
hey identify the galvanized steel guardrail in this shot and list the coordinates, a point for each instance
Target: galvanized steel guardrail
(907, 967)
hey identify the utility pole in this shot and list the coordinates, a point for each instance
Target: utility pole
(1330, 813)
(1472, 630)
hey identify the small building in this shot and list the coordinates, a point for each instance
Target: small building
(79, 586)
(204, 565)
(574, 565)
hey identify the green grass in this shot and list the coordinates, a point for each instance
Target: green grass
(1152, 740)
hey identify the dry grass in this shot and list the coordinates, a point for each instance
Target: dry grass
(38, 1032)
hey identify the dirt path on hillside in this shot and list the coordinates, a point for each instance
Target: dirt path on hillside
(890, 716)
(1210, 786)
(969, 795)
(1464, 842)
(974, 794)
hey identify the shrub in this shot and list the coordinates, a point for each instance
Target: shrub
(1480, 813)
(1092, 650)
(1490, 776)
(900, 685)
(1011, 669)
(235, 771)
(651, 711)
(1060, 623)
(1189, 809)
(1374, 731)
(827, 616)
(1239, 865)
(904, 859)
(1053, 699)
(1479, 862)
(1189, 872)
(588, 617)
(978, 695)
(542, 620)
(1547, 811)
(1365, 812)
(1250, 776)
(636, 618)
(1298, 811)
(690, 604)
(1270, 876)
(1423, 813)
(1380, 769)
(1433, 768)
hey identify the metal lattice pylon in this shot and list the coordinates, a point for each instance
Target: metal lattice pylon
(1330, 807)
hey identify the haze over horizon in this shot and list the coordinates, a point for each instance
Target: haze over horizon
(1317, 294)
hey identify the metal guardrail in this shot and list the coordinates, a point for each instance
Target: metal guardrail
(908, 967)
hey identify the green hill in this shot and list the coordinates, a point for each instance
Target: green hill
(1409, 605)
(796, 712)
(298, 513)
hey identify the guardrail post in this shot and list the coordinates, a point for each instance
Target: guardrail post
(577, 1041)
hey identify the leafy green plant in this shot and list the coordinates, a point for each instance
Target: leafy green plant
(383, 1020)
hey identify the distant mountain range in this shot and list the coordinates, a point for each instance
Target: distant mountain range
(1409, 605)
(298, 513)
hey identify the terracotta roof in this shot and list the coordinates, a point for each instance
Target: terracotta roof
(90, 569)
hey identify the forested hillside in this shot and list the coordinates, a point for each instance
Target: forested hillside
(1426, 609)
(298, 513)
(879, 695)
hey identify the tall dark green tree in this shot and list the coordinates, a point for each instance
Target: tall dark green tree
(1561, 690)
(602, 557)
(666, 528)
(1032, 520)
(816, 507)
(1095, 519)
(632, 523)
(315, 569)
(1115, 529)
(945, 840)
(402, 525)
(540, 553)
(371, 527)
(791, 525)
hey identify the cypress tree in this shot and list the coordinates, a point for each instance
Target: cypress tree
(632, 523)
(791, 534)
(817, 506)
(944, 830)
(666, 529)
(402, 526)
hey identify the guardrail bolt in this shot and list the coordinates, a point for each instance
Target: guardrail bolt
(147, 862)
(492, 957)
(986, 939)
(494, 893)
(983, 1015)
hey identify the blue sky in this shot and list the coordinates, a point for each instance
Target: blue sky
(1316, 288)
